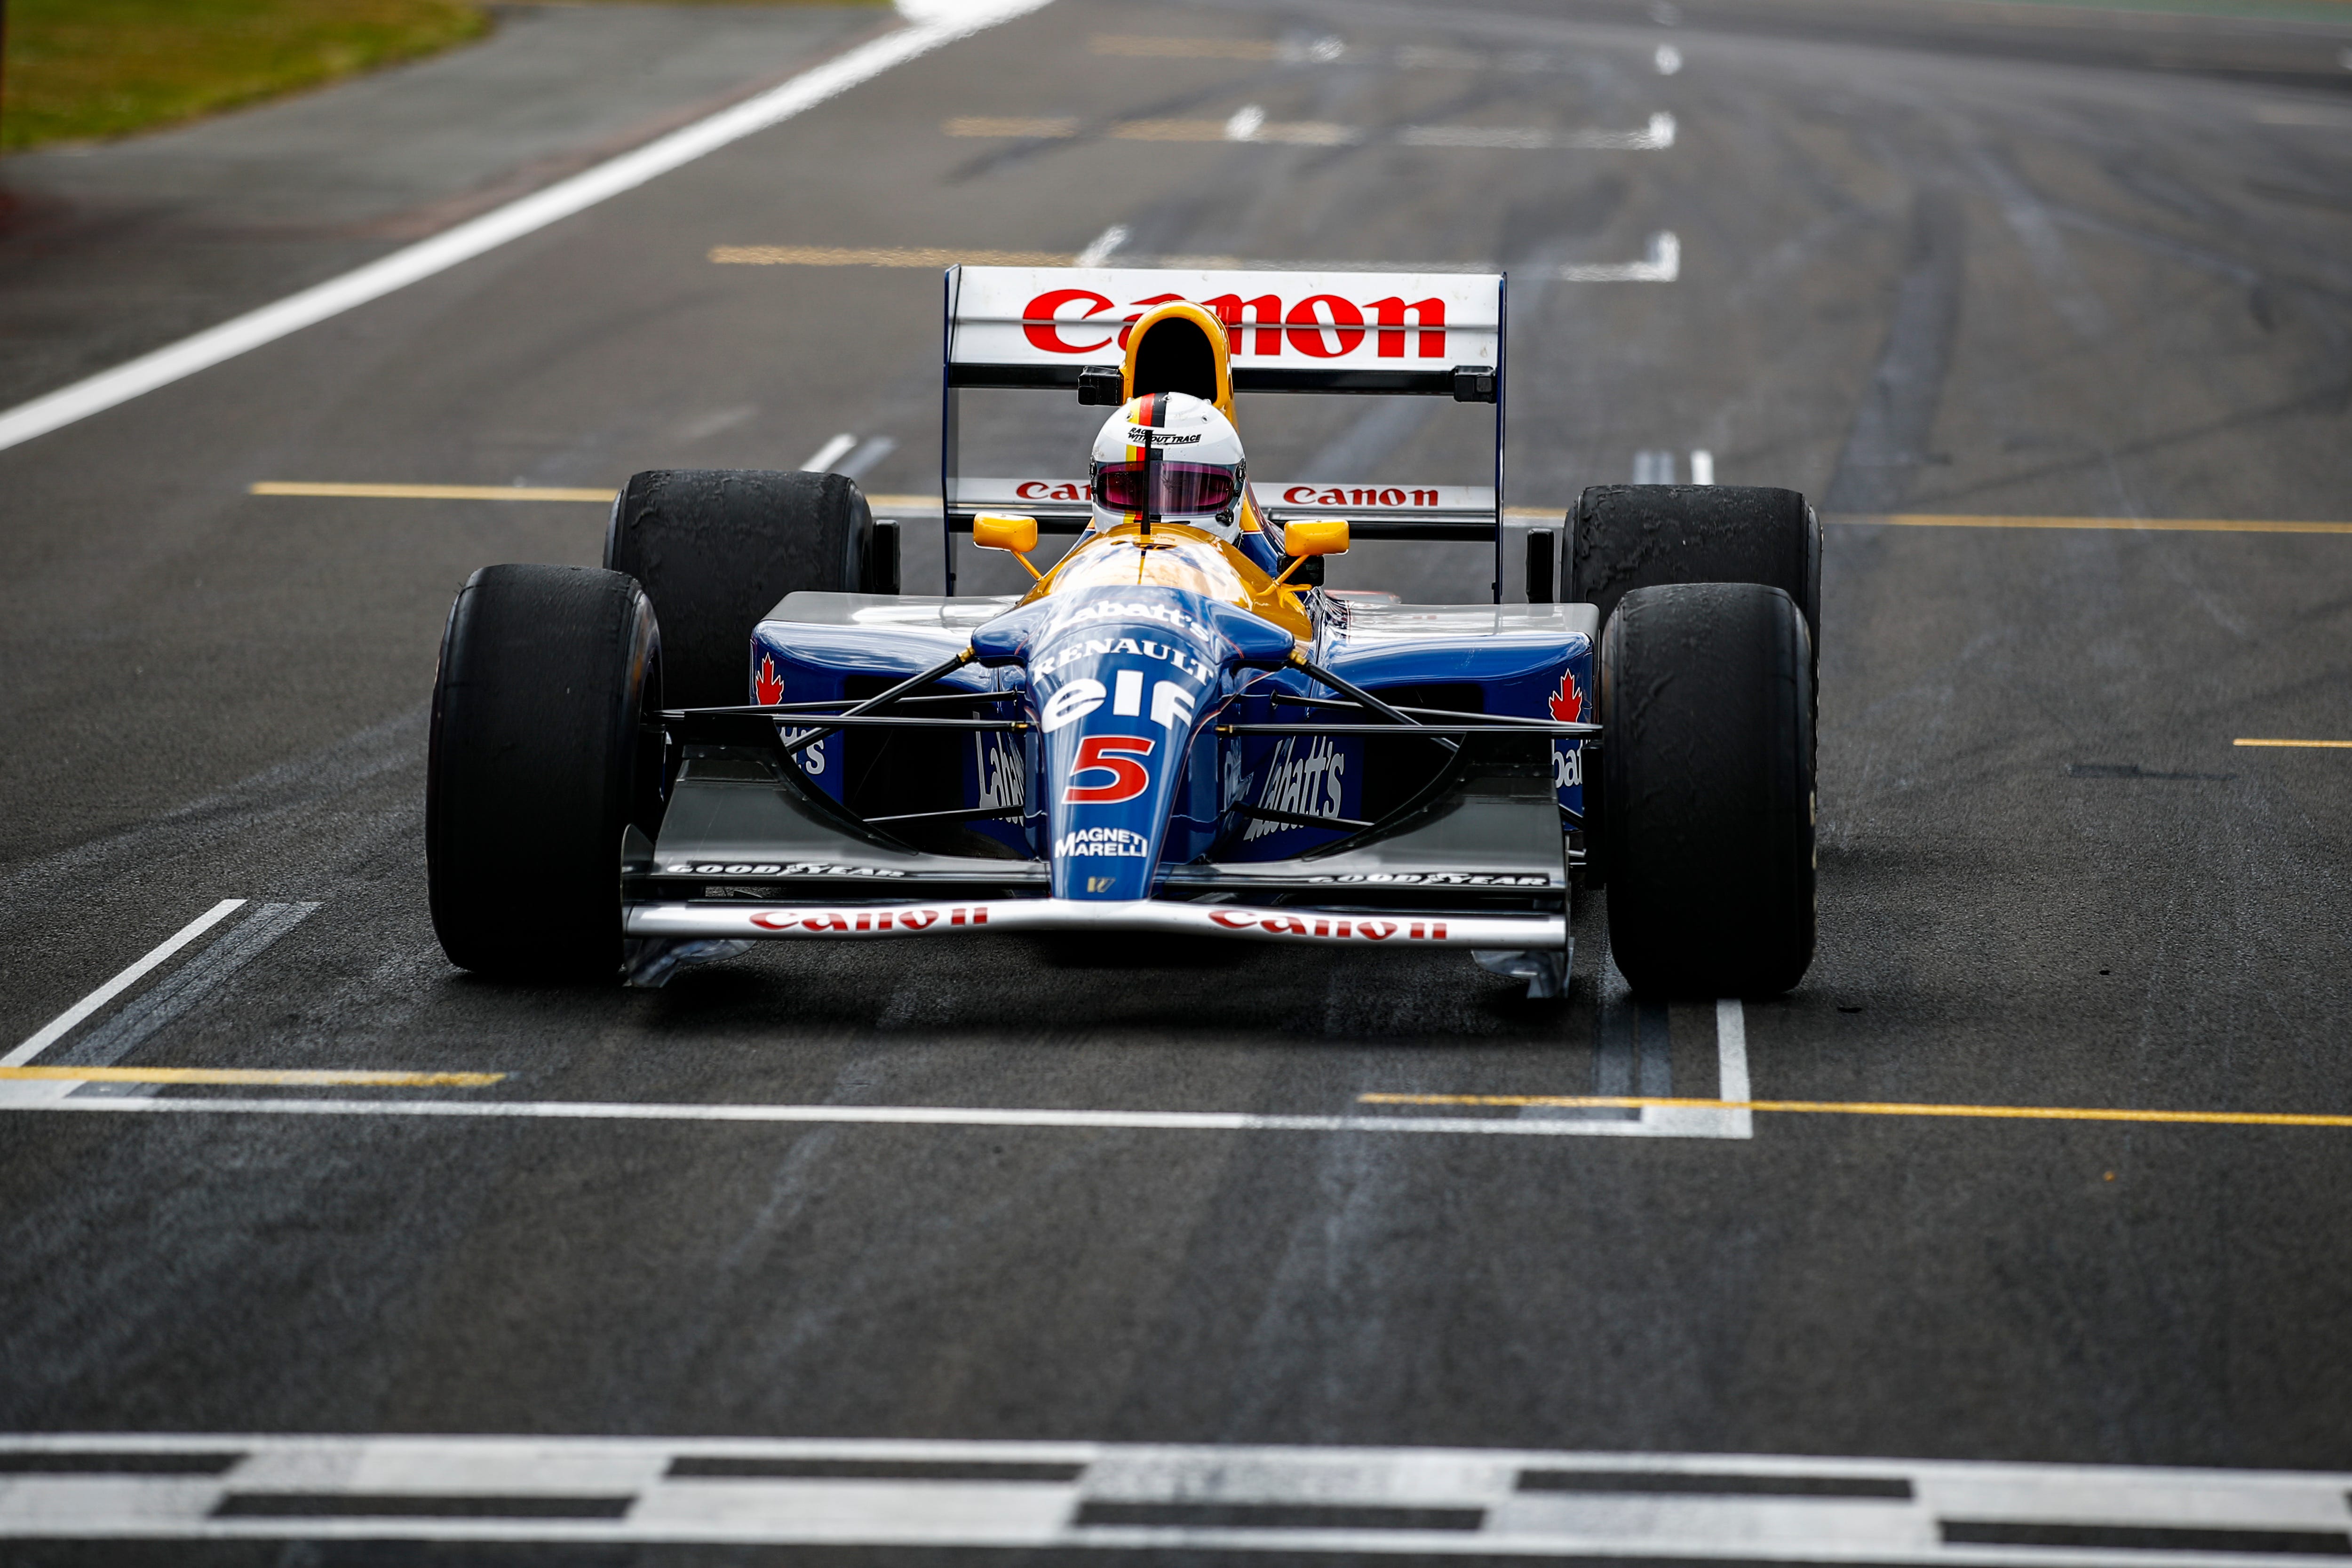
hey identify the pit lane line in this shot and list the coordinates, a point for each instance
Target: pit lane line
(944, 22)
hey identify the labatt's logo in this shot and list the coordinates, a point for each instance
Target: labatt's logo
(1567, 756)
(1320, 326)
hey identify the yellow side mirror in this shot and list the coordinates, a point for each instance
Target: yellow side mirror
(1004, 530)
(1318, 536)
(1008, 530)
(1311, 537)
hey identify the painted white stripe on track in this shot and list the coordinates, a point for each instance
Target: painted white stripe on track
(943, 23)
(1654, 1121)
(1731, 1066)
(1663, 1120)
(55, 1028)
(832, 452)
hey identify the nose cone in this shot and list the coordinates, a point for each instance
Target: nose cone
(1119, 685)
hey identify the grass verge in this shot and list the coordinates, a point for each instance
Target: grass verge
(81, 69)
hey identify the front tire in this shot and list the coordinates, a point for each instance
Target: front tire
(548, 678)
(717, 549)
(1708, 774)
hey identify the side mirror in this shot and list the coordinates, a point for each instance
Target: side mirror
(1010, 530)
(1310, 540)
(1003, 530)
(1318, 536)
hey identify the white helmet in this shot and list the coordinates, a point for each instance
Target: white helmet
(1169, 457)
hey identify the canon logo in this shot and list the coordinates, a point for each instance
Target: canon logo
(1320, 326)
(1329, 926)
(850, 922)
(1391, 496)
(1367, 495)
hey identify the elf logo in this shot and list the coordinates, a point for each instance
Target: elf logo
(1171, 705)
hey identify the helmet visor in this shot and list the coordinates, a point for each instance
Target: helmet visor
(1164, 488)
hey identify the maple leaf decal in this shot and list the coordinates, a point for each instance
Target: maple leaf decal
(1567, 701)
(767, 687)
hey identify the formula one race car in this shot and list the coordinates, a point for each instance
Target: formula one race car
(739, 730)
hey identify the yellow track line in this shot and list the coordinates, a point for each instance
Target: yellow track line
(299, 1076)
(2150, 524)
(1878, 1107)
(2328, 744)
(1517, 513)
(428, 492)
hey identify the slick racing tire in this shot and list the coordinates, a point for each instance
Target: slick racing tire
(1625, 537)
(550, 682)
(716, 549)
(1708, 774)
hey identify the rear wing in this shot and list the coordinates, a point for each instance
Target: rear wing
(1352, 333)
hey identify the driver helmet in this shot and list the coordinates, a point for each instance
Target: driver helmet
(1169, 457)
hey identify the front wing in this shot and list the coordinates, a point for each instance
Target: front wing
(747, 921)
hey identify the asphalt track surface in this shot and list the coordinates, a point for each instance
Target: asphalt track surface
(1930, 263)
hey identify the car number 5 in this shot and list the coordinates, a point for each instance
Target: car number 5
(1112, 755)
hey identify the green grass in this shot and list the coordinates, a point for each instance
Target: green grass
(78, 69)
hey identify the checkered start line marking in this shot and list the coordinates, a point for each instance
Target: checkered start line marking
(1731, 1508)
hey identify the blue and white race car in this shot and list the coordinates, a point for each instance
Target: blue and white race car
(739, 730)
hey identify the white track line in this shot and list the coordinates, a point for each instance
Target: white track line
(824, 456)
(1697, 1122)
(870, 451)
(54, 1029)
(1731, 1066)
(1654, 1121)
(945, 25)
(1662, 264)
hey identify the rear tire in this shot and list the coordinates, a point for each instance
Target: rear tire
(717, 549)
(549, 677)
(1708, 774)
(1639, 536)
